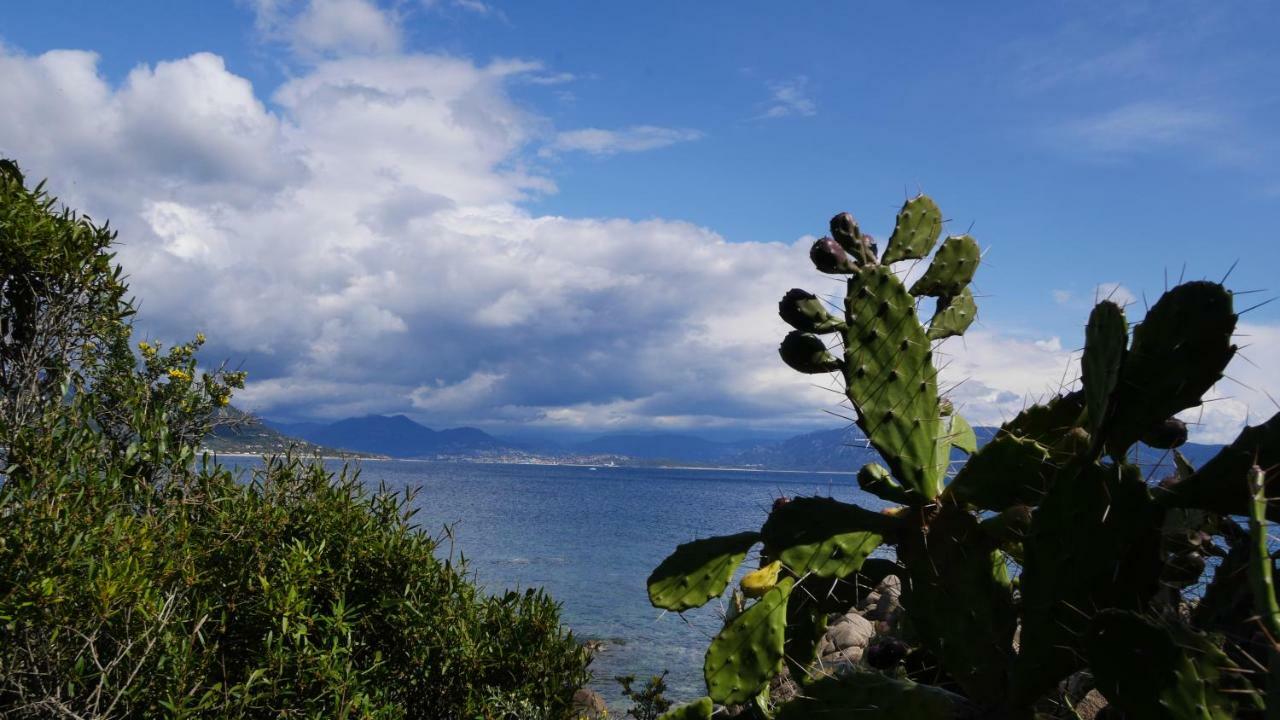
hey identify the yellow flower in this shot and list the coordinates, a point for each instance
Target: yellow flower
(755, 584)
(200, 338)
(177, 374)
(224, 400)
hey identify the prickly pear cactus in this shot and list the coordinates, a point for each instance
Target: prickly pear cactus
(1047, 530)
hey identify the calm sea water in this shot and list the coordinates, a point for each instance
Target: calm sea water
(591, 537)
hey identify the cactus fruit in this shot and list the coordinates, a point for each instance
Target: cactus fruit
(829, 257)
(1178, 352)
(952, 268)
(1219, 485)
(917, 229)
(823, 536)
(758, 582)
(805, 312)
(747, 652)
(698, 571)
(1167, 435)
(807, 354)
(953, 315)
(1105, 339)
(860, 247)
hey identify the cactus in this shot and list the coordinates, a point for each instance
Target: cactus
(1106, 338)
(876, 697)
(699, 571)
(953, 315)
(1104, 559)
(918, 227)
(748, 652)
(699, 709)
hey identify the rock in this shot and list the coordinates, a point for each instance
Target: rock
(1091, 705)
(884, 603)
(846, 639)
(588, 705)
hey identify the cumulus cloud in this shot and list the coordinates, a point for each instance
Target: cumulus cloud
(320, 28)
(638, 138)
(362, 244)
(790, 97)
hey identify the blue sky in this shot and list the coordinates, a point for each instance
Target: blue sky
(575, 216)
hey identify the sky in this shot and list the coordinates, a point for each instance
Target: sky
(579, 217)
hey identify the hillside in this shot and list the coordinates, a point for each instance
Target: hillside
(396, 436)
(248, 434)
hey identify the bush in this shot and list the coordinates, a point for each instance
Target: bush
(136, 581)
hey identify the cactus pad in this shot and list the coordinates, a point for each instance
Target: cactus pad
(806, 313)
(806, 623)
(876, 480)
(961, 435)
(872, 696)
(1007, 471)
(807, 354)
(959, 602)
(1148, 670)
(823, 536)
(918, 227)
(890, 378)
(699, 709)
(952, 268)
(748, 651)
(1094, 543)
(953, 315)
(1219, 485)
(1106, 338)
(1178, 353)
(698, 571)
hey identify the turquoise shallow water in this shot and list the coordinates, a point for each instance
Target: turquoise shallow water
(591, 537)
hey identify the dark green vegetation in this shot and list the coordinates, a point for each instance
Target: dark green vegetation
(139, 581)
(1045, 554)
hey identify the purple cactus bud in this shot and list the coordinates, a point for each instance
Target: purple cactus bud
(886, 653)
(807, 353)
(845, 231)
(804, 311)
(829, 257)
(1167, 435)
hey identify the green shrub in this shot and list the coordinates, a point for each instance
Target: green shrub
(136, 581)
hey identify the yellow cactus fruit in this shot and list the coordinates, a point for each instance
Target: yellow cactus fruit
(759, 582)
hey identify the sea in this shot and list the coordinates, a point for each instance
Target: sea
(591, 535)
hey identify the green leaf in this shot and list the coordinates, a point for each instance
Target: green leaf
(1106, 338)
(698, 571)
(1007, 471)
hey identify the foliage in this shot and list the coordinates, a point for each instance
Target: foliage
(648, 702)
(139, 581)
(1046, 553)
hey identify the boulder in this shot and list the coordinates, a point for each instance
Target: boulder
(845, 640)
(588, 705)
(884, 603)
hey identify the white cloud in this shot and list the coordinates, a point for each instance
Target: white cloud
(790, 97)
(364, 247)
(321, 28)
(1144, 126)
(637, 138)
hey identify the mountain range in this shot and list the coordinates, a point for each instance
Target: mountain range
(837, 450)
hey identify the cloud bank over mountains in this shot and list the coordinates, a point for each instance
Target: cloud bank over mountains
(358, 240)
